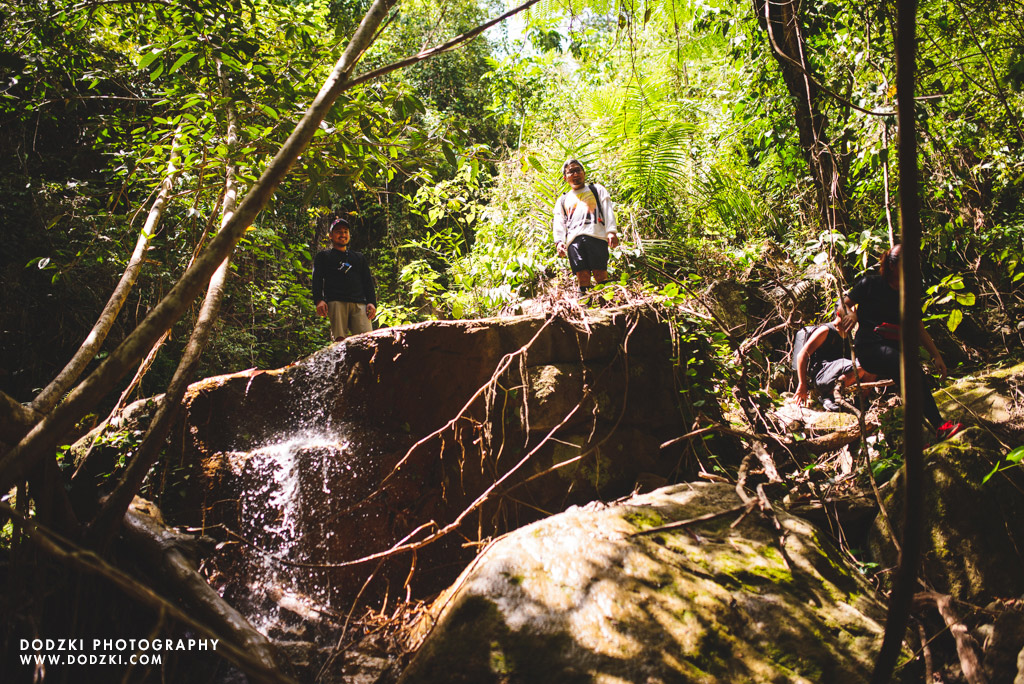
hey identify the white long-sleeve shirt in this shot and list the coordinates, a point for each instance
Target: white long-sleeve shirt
(576, 214)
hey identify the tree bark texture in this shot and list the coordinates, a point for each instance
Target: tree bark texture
(905, 581)
(781, 22)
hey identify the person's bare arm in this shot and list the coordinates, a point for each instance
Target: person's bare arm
(929, 344)
(847, 311)
(816, 339)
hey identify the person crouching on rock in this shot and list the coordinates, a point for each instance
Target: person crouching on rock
(877, 343)
(343, 288)
(824, 361)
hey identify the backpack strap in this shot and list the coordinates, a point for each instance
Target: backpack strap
(597, 202)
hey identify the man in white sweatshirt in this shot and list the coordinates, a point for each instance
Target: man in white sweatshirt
(584, 226)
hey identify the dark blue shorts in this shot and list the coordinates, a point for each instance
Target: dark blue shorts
(588, 253)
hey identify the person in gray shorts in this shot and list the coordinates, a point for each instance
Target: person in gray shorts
(823, 361)
(343, 287)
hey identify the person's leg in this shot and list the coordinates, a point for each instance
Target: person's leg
(358, 321)
(597, 257)
(863, 376)
(884, 361)
(830, 373)
(578, 261)
(338, 313)
(928, 406)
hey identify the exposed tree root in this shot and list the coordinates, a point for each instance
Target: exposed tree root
(966, 646)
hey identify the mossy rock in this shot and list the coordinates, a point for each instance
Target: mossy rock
(992, 398)
(973, 529)
(581, 597)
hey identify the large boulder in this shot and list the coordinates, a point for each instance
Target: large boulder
(584, 597)
(974, 530)
(396, 434)
(993, 398)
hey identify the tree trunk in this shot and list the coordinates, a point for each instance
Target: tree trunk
(781, 22)
(905, 580)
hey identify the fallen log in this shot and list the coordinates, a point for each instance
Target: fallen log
(145, 531)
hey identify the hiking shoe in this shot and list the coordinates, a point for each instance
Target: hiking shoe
(948, 429)
(831, 405)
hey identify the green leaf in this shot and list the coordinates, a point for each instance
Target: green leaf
(990, 474)
(449, 155)
(270, 111)
(535, 163)
(148, 59)
(955, 318)
(965, 299)
(1016, 456)
(181, 60)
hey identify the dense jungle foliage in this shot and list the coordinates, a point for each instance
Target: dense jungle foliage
(745, 145)
(450, 167)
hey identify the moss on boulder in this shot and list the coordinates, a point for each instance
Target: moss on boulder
(974, 530)
(581, 597)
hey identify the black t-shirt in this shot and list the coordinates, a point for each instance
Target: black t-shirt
(877, 303)
(834, 347)
(342, 276)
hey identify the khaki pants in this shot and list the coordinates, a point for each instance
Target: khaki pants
(348, 318)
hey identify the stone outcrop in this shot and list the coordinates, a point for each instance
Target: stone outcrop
(973, 541)
(994, 398)
(392, 435)
(582, 597)
(974, 530)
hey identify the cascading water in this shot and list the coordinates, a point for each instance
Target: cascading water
(288, 484)
(275, 515)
